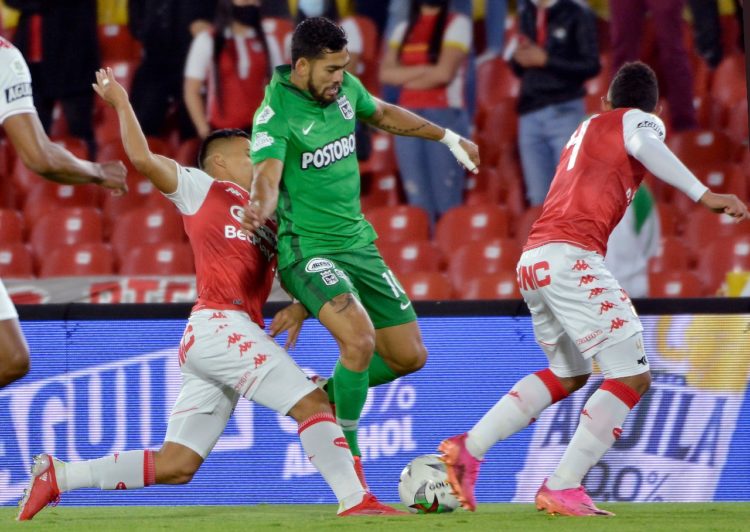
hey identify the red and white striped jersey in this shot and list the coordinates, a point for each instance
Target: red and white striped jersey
(233, 270)
(595, 181)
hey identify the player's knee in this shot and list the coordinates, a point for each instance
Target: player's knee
(411, 360)
(640, 383)
(316, 402)
(16, 364)
(183, 473)
(571, 384)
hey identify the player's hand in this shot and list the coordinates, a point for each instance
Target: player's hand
(465, 151)
(109, 89)
(112, 175)
(472, 150)
(530, 55)
(726, 204)
(252, 218)
(289, 319)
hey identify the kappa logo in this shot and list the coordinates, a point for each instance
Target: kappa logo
(515, 394)
(345, 107)
(596, 292)
(318, 265)
(264, 116)
(643, 360)
(218, 316)
(234, 338)
(246, 346)
(617, 323)
(606, 306)
(617, 432)
(121, 486)
(585, 412)
(581, 265)
(587, 279)
(259, 360)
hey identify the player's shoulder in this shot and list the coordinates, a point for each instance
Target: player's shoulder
(11, 61)
(634, 120)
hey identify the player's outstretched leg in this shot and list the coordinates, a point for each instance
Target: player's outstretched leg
(518, 409)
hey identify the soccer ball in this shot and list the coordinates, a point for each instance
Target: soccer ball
(423, 486)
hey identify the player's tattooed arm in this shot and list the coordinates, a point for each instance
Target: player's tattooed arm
(399, 121)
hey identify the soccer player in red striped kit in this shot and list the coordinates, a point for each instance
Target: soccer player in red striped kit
(578, 309)
(224, 354)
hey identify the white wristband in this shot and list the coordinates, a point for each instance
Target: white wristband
(453, 141)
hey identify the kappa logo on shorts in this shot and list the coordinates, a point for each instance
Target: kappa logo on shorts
(259, 360)
(246, 346)
(318, 265)
(596, 292)
(606, 306)
(587, 279)
(617, 323)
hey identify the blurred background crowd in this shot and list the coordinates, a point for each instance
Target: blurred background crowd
(517, 76)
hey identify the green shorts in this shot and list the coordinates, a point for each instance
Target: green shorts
(362, 272)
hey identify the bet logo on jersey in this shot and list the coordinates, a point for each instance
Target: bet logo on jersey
(330, 153)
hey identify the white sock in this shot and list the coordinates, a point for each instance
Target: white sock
(599, 426)
(120, 471)
(518, 409)
(326, 447)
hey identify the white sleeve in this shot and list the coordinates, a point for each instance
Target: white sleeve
(394, 41)
(644, 139)
(459, 33)
(192, 189)
(198, 61)
(353, 35)
(15, 83)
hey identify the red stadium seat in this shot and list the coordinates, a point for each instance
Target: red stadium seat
(711, 113)
(167, 258)
(280, 30)
(495, 82)
(674, 284)
(45, 196)
(464, 224)
(737, 127)
(481, 258)
(77, 260)
(524, 223)
(141, 192)
(382, 158)
(369, 60)
(71, 225)
(384, 191)
(411, 256)
(26, 179)
(146, 225)
(485, 187)
(187, 153)
(673, 255)
(704, 226)
(670, 219)
(722, 256)
(728, 85)
(427, 286)
(400, 223)
(11, 226)
(15, 261)
(501, 285)
(116, 43)
(698, 147)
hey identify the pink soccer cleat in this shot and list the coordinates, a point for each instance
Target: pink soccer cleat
(360, 472)
(371, 506)
(462, 469)
(572, 501)
(42, 489)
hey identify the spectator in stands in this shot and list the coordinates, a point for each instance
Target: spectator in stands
(707, 30)
(555, 53)
(235, 61)
(165, 30)
(59, 42)
(426, 58)
(633, 242)
(626, 28)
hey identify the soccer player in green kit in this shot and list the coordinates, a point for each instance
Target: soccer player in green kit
(306, 170)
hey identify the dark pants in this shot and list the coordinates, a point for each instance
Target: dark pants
(626, 26)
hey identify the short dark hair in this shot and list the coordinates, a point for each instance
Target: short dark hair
(635, 86)
(316, 36)
(219, 134)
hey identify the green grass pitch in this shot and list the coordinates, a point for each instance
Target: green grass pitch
(645, 517)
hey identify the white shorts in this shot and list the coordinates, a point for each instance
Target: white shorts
(7, 309)
(223, 356)
(579, 311)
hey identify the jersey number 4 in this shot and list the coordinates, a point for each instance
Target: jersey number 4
(576, 140)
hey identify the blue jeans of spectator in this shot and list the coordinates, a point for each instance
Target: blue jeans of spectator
(432, 178)
(542, 135)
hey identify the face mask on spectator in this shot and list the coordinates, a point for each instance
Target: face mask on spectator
(312, 8)
(246, 15)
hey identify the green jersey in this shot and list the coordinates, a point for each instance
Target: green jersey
(319, 209)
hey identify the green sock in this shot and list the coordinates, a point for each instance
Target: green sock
(379, 373)
(351, 389)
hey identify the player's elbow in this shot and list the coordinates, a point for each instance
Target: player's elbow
(142, 162)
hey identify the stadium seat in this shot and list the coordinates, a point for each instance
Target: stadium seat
(737, 127)
(116, 43)
(25, 179)
(146, 225)
(673, 255)
(711, 114)
(704, 226)
(15, 261)
(697, 147)
(501, 285)
(369, 60)
(187, 152)
(400, 223)
(78, 259)
(383, 191)
(670, 219)
(674, 284)
(411, 256)
(495, 82)
(484, 187)
(523, 224)
(485, 257)
(382, 159)
(45, 195)
(427, 286)
(167, 258)
(70, 225)
(280, 30)
(141, 192)
(468, 223)
(722, 256)
(11, 226)
(728, 85)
